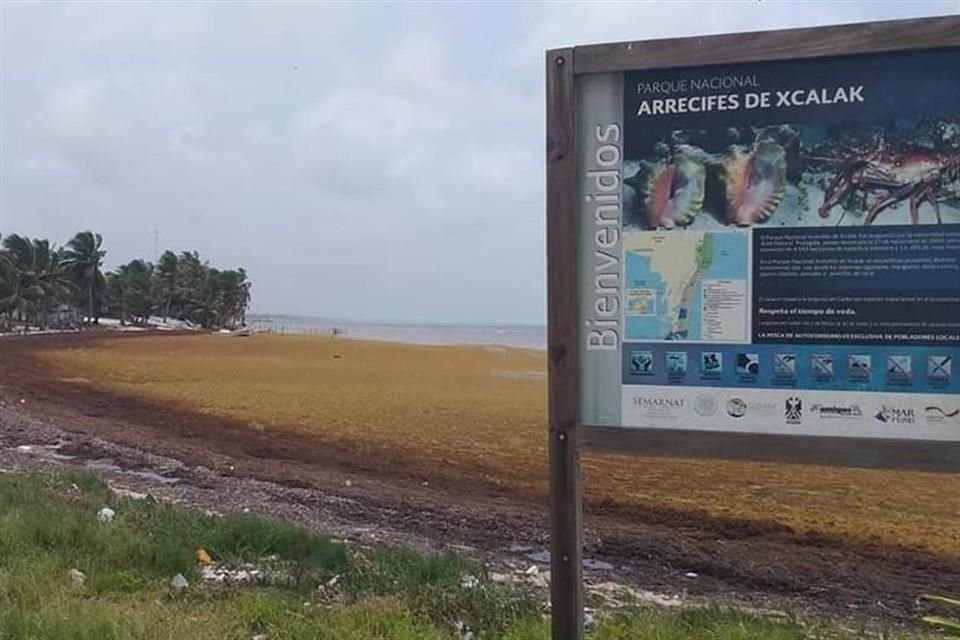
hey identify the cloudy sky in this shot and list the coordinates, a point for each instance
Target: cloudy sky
(373, 161)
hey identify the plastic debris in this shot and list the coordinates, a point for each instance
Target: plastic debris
(126, 493)
(690, 574)
(203, 557)
(179, 583)
(106, 515)
(77, 577)
(532, 570)
(221, 575)
(463, 631)
(211, 574)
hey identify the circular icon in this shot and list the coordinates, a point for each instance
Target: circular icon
(736, 408)
(705, 405)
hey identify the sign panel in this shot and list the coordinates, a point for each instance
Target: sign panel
(772, 247)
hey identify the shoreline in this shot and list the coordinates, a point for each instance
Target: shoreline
(368, 333)
(452, 493)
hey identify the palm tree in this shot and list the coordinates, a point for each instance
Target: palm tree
(84, 258)
(166, 277)
(36, 278)
(128, 291)
(8, 276)
(22, 292)
(234, 290)
(192, 274)
(52, 279)
(6, 260)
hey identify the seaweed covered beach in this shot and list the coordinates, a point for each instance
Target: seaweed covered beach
(447, 444)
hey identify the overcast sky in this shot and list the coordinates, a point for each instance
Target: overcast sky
(374, 161)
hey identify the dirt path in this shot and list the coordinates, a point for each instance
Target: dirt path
(214, 463)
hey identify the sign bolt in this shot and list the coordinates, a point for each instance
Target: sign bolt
(560, 61)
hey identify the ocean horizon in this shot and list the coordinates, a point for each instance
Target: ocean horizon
(504, 335)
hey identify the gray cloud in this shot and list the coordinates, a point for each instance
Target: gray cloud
(378, 161)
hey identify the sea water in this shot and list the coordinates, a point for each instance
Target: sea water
(521, 337)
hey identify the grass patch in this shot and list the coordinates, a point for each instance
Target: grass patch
(444, 588)
(53, 519)
(49, 525)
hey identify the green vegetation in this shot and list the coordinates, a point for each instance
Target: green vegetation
(45, 286)
(49, 527)
(950, 625)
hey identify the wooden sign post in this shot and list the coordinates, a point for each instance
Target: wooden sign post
(752, 244)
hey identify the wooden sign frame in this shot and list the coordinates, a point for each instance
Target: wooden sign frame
(564, 67)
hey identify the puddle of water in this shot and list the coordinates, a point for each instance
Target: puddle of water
(153, 476)
(597, 565)
(106, 464)
(102, 464)
(519, 548)
(543, 557)
(53, 452)
(49, 451)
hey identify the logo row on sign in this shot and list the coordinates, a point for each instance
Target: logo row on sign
(859, 367)
(793, 409)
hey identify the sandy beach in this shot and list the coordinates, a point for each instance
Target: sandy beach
(450, 442)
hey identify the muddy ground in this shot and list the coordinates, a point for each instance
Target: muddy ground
(214, 463)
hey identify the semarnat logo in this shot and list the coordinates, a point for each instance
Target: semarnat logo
(659, 402)
(660, 406)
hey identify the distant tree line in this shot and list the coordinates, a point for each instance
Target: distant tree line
(45, 286)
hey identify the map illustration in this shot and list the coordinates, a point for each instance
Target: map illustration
(686, 285)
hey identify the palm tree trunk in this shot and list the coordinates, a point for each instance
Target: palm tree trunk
(92, 319)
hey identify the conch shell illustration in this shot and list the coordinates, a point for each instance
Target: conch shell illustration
(755, 180)
(672, 191)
